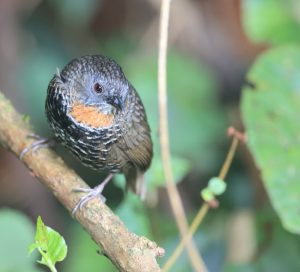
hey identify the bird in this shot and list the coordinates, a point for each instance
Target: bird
(96, 114)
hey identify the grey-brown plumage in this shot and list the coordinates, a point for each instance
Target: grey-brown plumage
(98, 115)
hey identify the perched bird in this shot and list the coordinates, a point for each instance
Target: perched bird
(99, 117)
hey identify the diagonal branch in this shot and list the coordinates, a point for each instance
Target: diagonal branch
(126, 250)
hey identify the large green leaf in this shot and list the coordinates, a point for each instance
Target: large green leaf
(271, 110)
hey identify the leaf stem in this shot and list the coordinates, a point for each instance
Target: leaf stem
(48, 262)
(52, 268)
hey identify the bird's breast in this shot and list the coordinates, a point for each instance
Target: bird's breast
(91, 135)
(90, 116)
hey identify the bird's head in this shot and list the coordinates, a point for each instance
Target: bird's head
(92, 90)
(95, 81)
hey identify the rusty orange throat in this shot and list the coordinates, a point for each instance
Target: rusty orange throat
(91, 116)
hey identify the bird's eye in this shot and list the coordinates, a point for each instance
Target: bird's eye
(98, 88)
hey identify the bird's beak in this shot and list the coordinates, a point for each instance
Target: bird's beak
(117, 102)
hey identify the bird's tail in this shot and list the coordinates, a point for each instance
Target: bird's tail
(135, 182)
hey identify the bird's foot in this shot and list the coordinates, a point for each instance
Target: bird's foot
(39, 143)
(91, 193)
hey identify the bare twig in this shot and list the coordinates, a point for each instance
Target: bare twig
(174, 197)
(205, 207)
(126, 250)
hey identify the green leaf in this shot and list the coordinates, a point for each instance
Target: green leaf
(50, 244)
(271, 110)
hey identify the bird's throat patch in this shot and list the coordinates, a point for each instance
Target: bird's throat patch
(90, 116)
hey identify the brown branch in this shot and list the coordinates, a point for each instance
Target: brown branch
(173, 194)
(126, 250)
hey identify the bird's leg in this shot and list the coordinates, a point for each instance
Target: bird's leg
(91, 193)
(39, 143)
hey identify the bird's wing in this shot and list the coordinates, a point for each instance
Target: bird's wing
(137, 145)
(136, 142)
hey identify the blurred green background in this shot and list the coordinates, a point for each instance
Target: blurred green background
(212, 45)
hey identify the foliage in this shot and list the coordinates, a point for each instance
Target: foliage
(50, 244)
(197, 122)
(271, 115)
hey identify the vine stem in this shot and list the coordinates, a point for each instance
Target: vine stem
(173, 194)
(202, 211)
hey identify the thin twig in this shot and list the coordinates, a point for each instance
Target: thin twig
(174, 197)
(196, 222)
(229, 158)
(126, 250)
(203, 210)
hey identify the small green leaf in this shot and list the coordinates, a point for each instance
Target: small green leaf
(50, 244)
(41, 234)
(207, 194)
(217, 186)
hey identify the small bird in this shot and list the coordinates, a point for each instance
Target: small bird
(99, 117)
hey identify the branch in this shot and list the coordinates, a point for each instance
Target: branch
(174, 197)
(126, 250)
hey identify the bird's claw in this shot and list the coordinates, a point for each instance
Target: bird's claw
(91, 193)
(39, 143)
